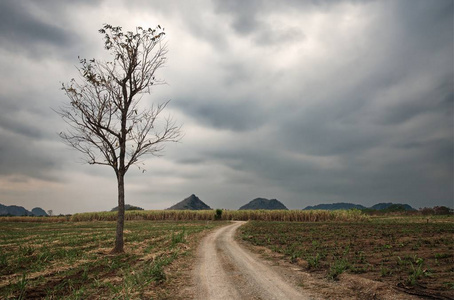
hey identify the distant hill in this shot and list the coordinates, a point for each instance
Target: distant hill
(14, 210)
(128, 207)
(38, 211)
(262, 203)
(335, 206)
(191, 203)
(343, 205)
(392, 206)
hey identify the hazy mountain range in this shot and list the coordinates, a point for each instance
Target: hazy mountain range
(194, 203)
(14, 210)
(343, 205)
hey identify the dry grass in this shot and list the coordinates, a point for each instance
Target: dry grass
(56, 219)
(239, 215)
(72, 260)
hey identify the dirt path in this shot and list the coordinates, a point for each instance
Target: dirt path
(225, 270)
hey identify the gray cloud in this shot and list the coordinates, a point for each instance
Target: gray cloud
(304, 101)
(237, 116)
(24, 157)
(22, 31)
(41, 30)
(247, 18)
(244, 14)
(369, 108)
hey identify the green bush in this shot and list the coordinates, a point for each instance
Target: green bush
(337, 268)
(218, 215)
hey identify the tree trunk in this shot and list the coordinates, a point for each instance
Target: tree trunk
(121, 171)
(119, 243)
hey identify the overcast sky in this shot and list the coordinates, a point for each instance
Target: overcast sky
(305, 101)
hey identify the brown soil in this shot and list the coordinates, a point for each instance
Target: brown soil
(381, 257)
(347, 286)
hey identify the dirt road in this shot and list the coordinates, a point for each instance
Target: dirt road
(225, 270)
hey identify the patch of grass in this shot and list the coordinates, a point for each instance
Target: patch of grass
(313, 261)
(178, 237)
(72, 260)
(384, 271)
(21, 285)
(337, 268)
(449, 285)
(416, 271)
(443, 255)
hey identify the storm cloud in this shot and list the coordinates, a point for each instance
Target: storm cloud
(304, 101)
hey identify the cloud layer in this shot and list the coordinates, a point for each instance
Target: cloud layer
(307, 102)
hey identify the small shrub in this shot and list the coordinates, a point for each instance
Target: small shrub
(313, 262)
(337, 268)
(416, 271)
(218, 215)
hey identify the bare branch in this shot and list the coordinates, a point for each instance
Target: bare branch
(107, 124)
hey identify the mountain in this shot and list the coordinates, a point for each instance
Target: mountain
(128, 207)
(3, 210)
(14, 210)
(335, 206)
(38, 211)
(379, 206)
(392, 206)
(262, 203)
(190, 203)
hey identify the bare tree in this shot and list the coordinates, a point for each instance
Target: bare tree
(107, 122)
